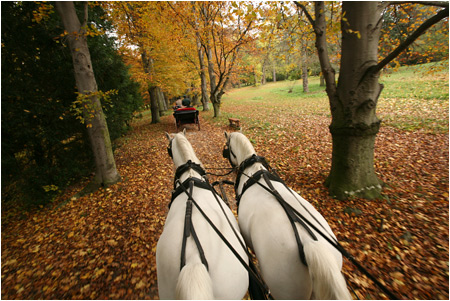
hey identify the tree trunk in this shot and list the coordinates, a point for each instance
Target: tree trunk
(154, 107)
(97, 128)
(147, 64)
(214, 97)
(274, 73)
(263, 77)
(354, 122)
(353, 102)
(203, 80)
(305, 78)
(203, 86)
(322, 81)
(216, 107)
(305, 69)
(161, 102)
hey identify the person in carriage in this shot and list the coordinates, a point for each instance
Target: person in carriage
(186, 113)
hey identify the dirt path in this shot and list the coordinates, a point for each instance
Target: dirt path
(102, 246)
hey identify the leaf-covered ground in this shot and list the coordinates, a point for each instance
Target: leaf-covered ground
(102, 246)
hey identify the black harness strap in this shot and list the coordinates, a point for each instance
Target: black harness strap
(185, 167)
(250, 268)
(247, 163)
(338, 246)
(292, 218)
(253, 179)
(179, 190)
(188, 230)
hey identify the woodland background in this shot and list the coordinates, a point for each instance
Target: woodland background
(102, 245)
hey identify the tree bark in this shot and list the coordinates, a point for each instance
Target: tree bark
(353, 102)
(203, 80)
(97, 128)
(214, 95)
(203, 86)
(305, 70)
(274, 72)
(354, 122)
(305, 78)
(147, 63)
(263, 76)
(322, 81)
(216, 107)
(154, 107)
(161, 102)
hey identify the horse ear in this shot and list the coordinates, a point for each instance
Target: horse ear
(184, 132)
(168, 136)
(226, 135)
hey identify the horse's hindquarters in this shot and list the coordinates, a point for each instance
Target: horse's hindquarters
(267, 229)
(229, 277)
(270, 234)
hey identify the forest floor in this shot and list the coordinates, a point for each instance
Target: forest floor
(102, 246)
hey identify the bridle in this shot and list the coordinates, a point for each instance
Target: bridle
(169, 148)
(228, 152)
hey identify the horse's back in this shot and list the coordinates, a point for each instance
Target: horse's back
(229, 277)
(267, 229)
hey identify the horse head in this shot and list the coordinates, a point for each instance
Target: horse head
(237, 148)
(180, 149)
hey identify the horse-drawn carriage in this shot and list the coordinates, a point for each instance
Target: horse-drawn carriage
(186, 116)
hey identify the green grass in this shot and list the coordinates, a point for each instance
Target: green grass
(413, 98)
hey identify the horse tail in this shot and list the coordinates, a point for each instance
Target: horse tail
(194, 282)
(327, 279)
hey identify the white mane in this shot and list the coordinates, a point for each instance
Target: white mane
(243, 147)
(184, 149)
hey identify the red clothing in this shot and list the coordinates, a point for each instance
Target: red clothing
(186, 109)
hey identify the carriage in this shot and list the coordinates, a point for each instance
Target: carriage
(186, 116)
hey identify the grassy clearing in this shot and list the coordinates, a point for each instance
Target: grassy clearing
(416, 98)
(413, 98)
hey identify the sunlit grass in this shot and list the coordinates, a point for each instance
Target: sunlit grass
(413, 98)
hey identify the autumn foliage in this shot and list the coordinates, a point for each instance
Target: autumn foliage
(102, 245)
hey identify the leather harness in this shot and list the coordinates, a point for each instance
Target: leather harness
(293, 215)
(261, 290)
(188, 225)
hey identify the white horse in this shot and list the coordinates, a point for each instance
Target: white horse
(225, 277)
(268, 231)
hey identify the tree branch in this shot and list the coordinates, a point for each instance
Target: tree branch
(311, 20)
(320, 28)
(429, 3)
(409, 40)
(85, 20)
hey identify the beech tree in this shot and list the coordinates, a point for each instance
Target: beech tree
(106, 171)
(353, 99)
(155, 47)
(225, 28)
